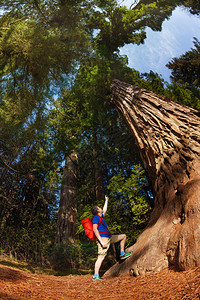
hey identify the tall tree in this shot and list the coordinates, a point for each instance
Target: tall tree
(168, 137)
(67, 213)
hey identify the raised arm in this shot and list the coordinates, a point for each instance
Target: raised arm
(105, 205)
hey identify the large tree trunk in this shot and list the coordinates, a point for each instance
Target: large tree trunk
(67, 223)
(168, 137)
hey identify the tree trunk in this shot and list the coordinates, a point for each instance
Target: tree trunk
(98, 173)
(168, 137)
(67, 223)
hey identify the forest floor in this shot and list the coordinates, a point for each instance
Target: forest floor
(169, 284)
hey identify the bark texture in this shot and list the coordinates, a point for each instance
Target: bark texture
(98, 174)
(67, 223)
(168, 137)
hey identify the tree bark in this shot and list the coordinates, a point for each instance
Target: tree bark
(67, 223)
(98, 173)
(168, 137)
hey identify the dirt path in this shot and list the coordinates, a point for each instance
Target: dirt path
(169, 284)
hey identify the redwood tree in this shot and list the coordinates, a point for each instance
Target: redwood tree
(168, 137)
(67, 223)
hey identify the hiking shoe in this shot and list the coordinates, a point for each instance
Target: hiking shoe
(126, 255)
(98, 279)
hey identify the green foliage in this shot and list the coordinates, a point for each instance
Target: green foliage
(30, 241)
(193, 5)
(123, 26)
(178, 91)
(182, 93)
(73, 256)
(65, 256)
(187, 67)
(130, 203)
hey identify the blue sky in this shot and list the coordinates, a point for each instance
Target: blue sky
(159, 48)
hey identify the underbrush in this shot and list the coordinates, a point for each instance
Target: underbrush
(63, 260)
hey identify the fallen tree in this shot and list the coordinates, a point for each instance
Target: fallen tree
(168, 137)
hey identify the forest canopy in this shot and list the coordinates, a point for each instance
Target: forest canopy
(57, 62)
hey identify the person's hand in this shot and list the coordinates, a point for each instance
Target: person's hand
(106, 197)
(104, 245)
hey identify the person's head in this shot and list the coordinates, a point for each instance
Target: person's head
(96, 210)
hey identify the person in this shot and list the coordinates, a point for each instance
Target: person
(104, 238)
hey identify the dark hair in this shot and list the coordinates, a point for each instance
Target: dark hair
(94, 210)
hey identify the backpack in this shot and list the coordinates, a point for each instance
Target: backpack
(88, 227)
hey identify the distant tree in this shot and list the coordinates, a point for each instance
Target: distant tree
(187, 67)
(67, 213)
